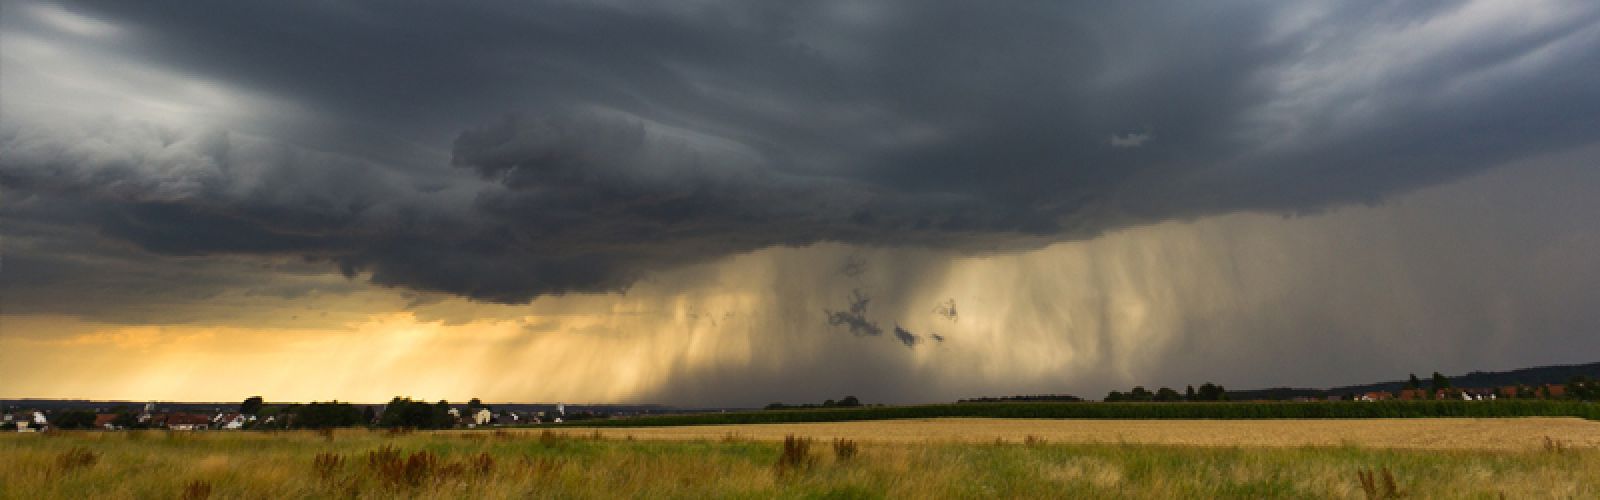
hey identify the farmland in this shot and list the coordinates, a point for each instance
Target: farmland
(1506, 434)
(1218, 410)
(1421, 458)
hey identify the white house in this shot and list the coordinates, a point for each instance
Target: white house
(483, 416)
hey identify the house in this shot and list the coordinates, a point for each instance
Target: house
(1413, 394)
(232, 421)
(1375, 396)
(107, 421)
(483, 416)
(1478, 394)
(1509, 391)
(1553, 391)
(187, 422)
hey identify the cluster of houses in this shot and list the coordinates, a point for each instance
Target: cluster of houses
(149, 418)
(36, 420)
(1546, 391)
(484, 417)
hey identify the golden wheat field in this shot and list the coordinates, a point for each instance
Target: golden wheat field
(1430, 434)
(1503, 458)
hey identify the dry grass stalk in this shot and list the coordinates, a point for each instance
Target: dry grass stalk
(76, 458)
(551, 439)
(482, 464)
(413, 471)
(326, 434)
(327, 465)
(1388, 489)
(845, 449)
(796, 454)
(1032, 440)
(383, 455)
(1555, 445)
(196, 490)
(542, 467)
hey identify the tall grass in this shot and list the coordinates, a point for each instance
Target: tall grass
(373, 465)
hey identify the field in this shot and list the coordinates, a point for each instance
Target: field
(1504, 434)
(1420, 458)
(1125, 411)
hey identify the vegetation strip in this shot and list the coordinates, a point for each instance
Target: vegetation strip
(1221, 410)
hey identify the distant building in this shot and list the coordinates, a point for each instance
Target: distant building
(107, 421)
(187, 422)
(1413, 394)
(1375, 396)
(232, 420)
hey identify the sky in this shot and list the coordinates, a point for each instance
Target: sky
(731, 203)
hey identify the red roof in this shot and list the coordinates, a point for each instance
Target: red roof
(103, 419)
(187, 418)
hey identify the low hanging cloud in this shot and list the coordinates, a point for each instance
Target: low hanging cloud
(567, 148)
(1130, 140)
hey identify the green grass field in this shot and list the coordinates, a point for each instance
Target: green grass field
(371, 464)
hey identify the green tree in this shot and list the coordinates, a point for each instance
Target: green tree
(1188, 393)
(850, 401)
(1139, 393)
(251, 405)
(1166, 394)
(1439, 383)
(441, 415)
(1115, 396)
(1212, 392)
(404, 412)
(1414, 382)
(325, 415)
(75, 419)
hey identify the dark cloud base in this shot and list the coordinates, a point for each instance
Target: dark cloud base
(591, 145)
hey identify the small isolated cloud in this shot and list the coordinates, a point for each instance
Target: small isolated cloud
(1130, 140)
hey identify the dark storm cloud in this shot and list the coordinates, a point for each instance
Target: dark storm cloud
(855, 318)
(506, 151)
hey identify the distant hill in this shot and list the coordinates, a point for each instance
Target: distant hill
(1555, 374)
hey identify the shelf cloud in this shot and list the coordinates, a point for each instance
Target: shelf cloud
(506, 153)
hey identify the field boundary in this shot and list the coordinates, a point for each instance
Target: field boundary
(1131, 411)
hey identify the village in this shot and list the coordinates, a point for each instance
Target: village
(254, 414)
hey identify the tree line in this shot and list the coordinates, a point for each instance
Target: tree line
(1207, 392)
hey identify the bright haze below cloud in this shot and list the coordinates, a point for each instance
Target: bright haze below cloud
(737, 202)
